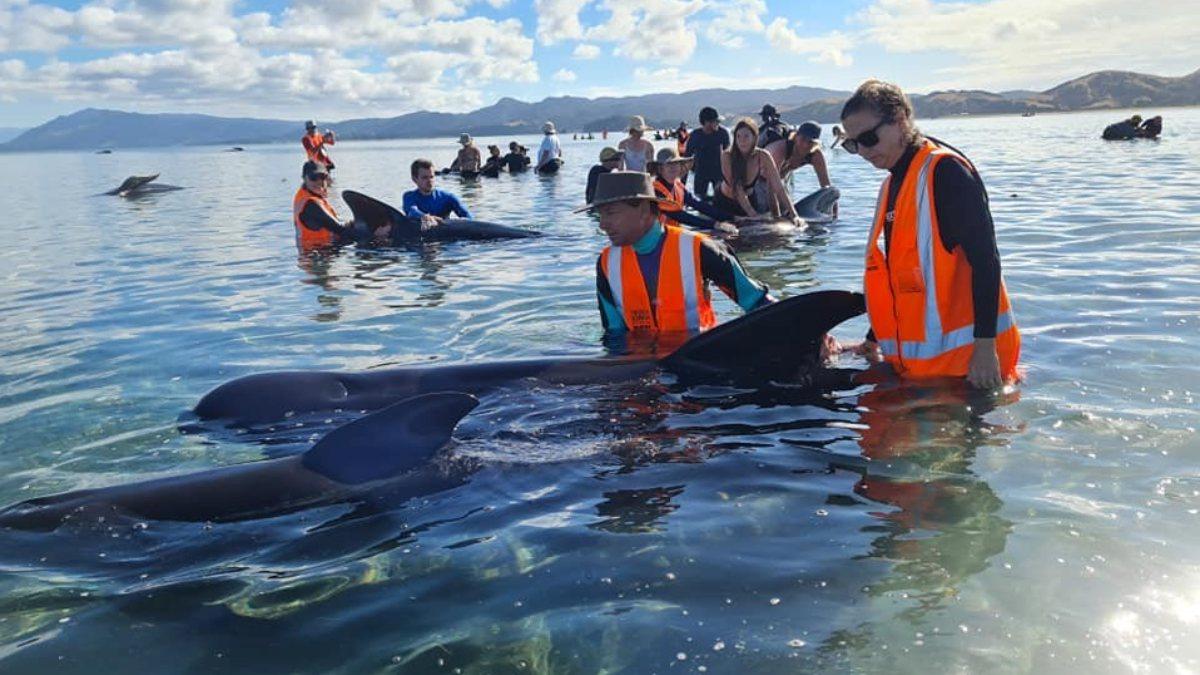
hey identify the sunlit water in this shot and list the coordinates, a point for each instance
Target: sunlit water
(618, 528)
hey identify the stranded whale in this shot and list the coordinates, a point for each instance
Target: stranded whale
(136, 186)
(371, 214)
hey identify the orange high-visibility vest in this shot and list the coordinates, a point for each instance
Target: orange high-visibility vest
(673, 196)
(682, 301)
(682, 139)
(918, 295)
(306, 238)
(314, 146)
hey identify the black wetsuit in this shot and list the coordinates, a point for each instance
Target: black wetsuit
(314, 218)
(592, 179)
(515, 161)
(706, 148)
(965, 220)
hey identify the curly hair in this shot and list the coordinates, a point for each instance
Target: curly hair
(886, 100)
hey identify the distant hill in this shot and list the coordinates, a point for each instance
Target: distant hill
(93, 129)
(9, 133)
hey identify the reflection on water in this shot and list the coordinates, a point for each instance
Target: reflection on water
(643, 527)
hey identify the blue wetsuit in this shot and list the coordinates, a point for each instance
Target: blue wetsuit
(436, 203)
(717, 264)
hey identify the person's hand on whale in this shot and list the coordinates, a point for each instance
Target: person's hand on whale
(429, 222)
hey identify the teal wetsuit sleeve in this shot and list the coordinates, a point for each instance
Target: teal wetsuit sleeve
(719, 265)
(610, 316)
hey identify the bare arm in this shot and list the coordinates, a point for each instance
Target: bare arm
(822, 169)
(767, 168)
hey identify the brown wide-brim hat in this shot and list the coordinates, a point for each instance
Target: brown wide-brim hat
(621, 186)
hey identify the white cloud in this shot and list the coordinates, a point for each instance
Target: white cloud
(733, 20)
(1002, 43)
(653, 30)
(558, 20)
(585, 52)
(831, 48)
(564, 75)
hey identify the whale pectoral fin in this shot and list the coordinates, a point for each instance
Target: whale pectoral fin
(773, 341)
(818, 206)
(376, 214)
(394, 440)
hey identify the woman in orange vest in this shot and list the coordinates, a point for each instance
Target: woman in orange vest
(935, 298)
(667, 169)
(653, 279)
(317, 224)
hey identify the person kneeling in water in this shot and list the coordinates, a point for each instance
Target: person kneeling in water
(752, 187)
(317, 224)
(646, 255)
(429, 205)
(666, 169)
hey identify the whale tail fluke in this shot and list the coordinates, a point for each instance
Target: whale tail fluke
(396, 439)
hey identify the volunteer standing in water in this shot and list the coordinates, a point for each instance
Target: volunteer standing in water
(646, 283)
(550, 149)
(314, 144)
(935, 298)
(638, 151)
(469, 158)
(316, 222)
(428, 204)
(705, 145)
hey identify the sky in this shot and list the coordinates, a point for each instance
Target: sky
(343, 59)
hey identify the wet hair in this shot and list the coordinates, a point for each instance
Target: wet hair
(737, 161)
(419, 164)
(312, 167)
(886, 100)
(709, 114)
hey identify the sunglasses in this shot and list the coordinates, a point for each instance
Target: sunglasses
(318, 176)
(867, 139)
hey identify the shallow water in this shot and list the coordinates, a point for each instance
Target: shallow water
(616, 528)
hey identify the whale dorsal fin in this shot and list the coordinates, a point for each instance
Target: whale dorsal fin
(376, 214)
(818, 206)
(130, 184)
(772, 341)
(396, 439)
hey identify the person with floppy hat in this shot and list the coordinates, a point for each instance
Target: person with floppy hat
(469, 159)
(314, 144)
(646, 283)
(611, 160)
(550, 150)
(705, 146)
(668, 168)
(638, 151)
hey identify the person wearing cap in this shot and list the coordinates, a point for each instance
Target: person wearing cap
(317, 223)
(800, 148)
(494, 164)
(314, 144)
(638, 151)
(611, 160)
(646, 284)
(469, 158)
(773, 128)
(516, 160)
(705, 146)
(667, 169)
(550, 149)
(427, 203)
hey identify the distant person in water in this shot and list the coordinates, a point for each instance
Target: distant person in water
(611, 160)
(936, 301)
(668, 169)
(1123, 130)
(428, 204)
(1151, 128)
(314, 144)
(494, 163)
(550, 149)
(645, 255)
(838, 136)
(751, 187)
(705, 146)
(773, 128)
(638, 150)
(516, 160)
(469, 158)
(316, 222)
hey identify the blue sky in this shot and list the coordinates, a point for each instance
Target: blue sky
(366, 58)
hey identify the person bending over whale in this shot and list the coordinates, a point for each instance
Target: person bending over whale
(752, 187)
(428, 204)
(317, 223)
(667, 168)
(644, 285)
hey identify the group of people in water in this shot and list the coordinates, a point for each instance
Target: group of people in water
(935, 298)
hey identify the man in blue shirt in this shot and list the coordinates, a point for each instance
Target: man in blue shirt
(428, 204)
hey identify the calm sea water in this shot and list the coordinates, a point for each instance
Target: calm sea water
(619, 528)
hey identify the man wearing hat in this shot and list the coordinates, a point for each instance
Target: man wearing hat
(705, 146)
(611, 160)
(667, 169)
(638, 151)
(799, 148)
(314, 144)
(469, 158)
(653, 279)
(550, 150)
(773, 128)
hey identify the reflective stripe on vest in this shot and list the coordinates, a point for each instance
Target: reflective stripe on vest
(675, 195)
(932, 354)
(682, 301)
